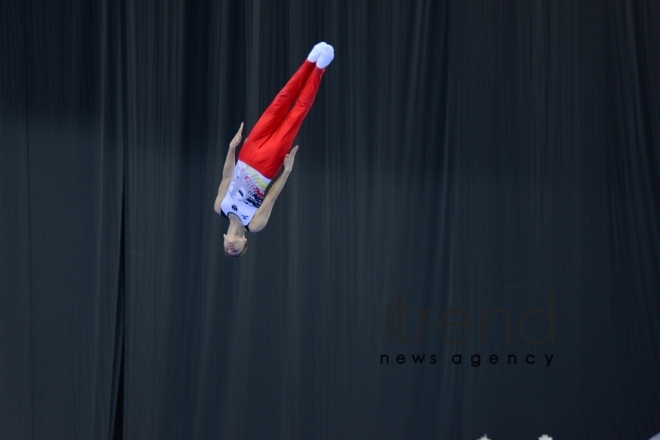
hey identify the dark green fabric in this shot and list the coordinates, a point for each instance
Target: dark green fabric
(466, 162)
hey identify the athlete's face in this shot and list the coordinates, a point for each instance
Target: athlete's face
(234, 244)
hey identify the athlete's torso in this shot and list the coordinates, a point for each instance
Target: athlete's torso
(245, 194)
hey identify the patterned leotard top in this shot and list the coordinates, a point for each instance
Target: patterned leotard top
(245, 194)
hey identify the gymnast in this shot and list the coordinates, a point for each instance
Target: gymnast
(242, 197)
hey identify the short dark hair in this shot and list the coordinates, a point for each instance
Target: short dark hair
(238, 255)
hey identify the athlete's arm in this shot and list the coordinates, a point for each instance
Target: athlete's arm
(262, 215)
(228, 169)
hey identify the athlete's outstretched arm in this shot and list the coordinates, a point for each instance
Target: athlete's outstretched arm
(262, 215)
(228, 169)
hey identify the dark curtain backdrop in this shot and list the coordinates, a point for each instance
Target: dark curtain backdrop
(488, 164)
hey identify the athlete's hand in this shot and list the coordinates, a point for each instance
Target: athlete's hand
(288, 160)
(237, 138)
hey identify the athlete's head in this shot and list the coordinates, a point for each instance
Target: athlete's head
(234, 245)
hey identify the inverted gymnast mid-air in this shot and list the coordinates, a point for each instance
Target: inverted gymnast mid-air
(242, 197)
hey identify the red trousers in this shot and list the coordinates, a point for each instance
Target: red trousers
(272, 136)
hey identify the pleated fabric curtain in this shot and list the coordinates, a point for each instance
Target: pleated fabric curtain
(468, 244)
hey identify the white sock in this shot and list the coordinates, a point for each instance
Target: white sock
(316, 51)
(326, 57)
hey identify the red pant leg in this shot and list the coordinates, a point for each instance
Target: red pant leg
(266, 153)
(273, 116)
(278, 146)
